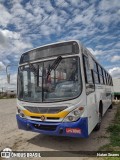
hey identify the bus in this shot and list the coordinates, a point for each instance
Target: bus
(62, 90)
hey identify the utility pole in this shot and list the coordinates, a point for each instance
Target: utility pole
(8, 74)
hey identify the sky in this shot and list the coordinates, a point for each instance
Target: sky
(25, 24)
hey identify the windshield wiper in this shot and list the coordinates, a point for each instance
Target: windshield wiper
(33, 69)
(54, 65)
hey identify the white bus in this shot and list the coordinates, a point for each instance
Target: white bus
(62, 90)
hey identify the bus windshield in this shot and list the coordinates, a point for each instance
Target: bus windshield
(62, 83)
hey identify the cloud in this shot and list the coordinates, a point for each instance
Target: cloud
(115, 58)
(28, 24)
(109, 5)
(12, 44)
(2, 66)
(3, 40)
(77, 3)
(5, 16)
(96, 52)
(117, 45)
(115, 72)
(20, 46)
(9, 34)
(4, 84)
(13, 79)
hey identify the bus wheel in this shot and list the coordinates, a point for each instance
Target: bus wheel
(97, 127)
(111, 106)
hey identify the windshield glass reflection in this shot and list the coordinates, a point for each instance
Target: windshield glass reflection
(62, 83)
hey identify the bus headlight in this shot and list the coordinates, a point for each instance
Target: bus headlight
(74, 115)
(21, 114)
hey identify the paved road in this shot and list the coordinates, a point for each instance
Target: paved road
(12, 137)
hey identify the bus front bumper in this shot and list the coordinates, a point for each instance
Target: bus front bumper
(70, 129)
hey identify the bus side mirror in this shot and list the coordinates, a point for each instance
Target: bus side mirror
(8, 78)
(91, 65)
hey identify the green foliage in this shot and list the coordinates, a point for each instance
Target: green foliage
(114, 130)
(112, 158)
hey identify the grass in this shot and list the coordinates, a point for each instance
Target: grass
(1, 97)
(112, 158)
(114, 130)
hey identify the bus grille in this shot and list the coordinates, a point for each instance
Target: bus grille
(45, 127)
(51, 118)
(45, 109)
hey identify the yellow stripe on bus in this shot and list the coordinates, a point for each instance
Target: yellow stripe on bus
(56, 115)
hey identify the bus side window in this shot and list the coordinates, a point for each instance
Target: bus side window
(87, 70)
(107, 78)
(100, 75)
(111, 81)
(95, 71)
(104, 76)
(90, 87)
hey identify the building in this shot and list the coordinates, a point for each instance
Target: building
(116, 87)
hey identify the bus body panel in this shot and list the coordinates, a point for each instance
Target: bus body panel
(108, 93)
(92, 111)
(71, 129)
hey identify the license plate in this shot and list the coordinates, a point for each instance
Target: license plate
(73, 130)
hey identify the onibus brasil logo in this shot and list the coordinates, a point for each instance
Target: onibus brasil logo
(8, 153)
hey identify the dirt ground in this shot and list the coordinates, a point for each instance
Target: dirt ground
(19, 140)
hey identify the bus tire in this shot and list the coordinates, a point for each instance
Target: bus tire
(97, 127)
(111, 106)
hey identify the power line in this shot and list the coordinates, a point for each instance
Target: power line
(51, 13)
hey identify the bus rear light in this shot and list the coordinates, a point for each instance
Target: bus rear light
(73, 130)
